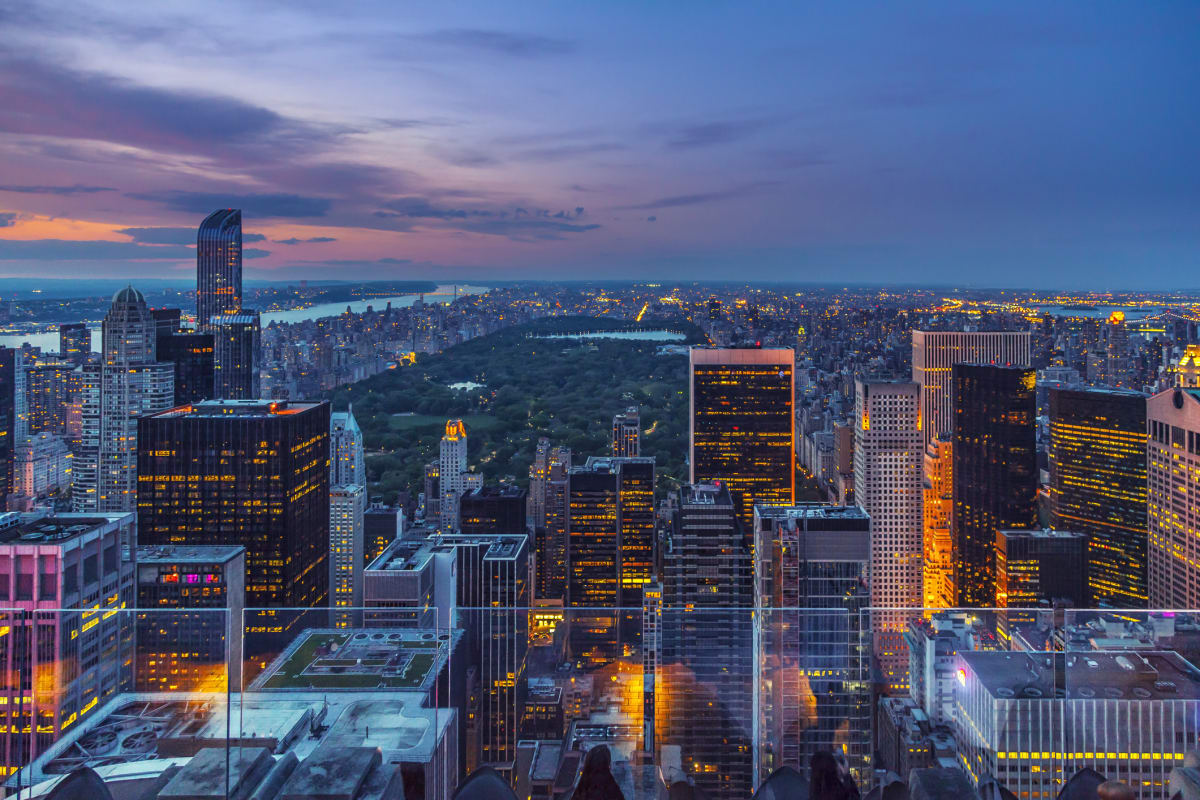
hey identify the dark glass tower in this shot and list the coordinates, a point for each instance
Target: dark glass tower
(995, 470)
(1097, 458)
(610, 549)
(219, 265)
(493, 509)
(9, 360)
(743, 426)
(192, 355)
(706, 665)
(247, 473)
(236, 345)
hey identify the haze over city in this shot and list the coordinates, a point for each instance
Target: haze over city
(994, 144)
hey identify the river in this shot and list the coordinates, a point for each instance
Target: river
(46, 336)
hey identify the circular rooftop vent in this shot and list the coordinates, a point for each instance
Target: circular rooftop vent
(1086, 691)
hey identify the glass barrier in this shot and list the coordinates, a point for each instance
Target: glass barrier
(717, 698)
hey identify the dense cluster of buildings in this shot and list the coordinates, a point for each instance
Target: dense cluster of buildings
(1004, 502)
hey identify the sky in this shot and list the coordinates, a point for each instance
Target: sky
(1020, 144)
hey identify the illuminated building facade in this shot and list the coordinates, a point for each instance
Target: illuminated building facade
(346, 551)
(1040, 569)
(453, 475)
(493, 509)
(1097, 459)
(74, 342)
(1187, 370)
(236, 348)
(41, 466)
(189, 651)
(219, 265)
(705, 671)
(1035, 719)
(49, 384)
(995, 471)
(549, 522)
(128, 382)
(743, 425)
(346, 462)
(9, 363)
(888, 459)
(493, 585)
(627, 433)
(610, 549)
(192, 355)
(936, 352)
(811, 567)
(936, 509)
(253, 473)
(1173, 498)
(67, 646)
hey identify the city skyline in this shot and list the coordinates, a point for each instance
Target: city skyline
(992, 146)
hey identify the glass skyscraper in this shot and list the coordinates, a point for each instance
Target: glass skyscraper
(219, 265)
(743, 426)
(995, 471)
(1097, 458)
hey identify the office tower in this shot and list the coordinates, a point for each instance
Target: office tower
(346, 464)
(610, 550)
(10, 361)
(128, 382)
(452, 462)
(192, 356)
(550, 527)
(627, 433)
(493, 509)
(743, 426)
(382, 525)
(253, 473)
(346, 552)
(1097, 459)
(1187, 369)
(706, 666)
(68, 647)
(167, 321)
(236, 346)
(888, 459)
(1041, 568)
(811, 565)
(937, 510)
(180, 649)
(74, 342)
(1038, 718)
(413, 583)
(493, 601)
(995, 471)
(539, 471)
(936, 352)
(431, 507)
(1173, 499)
(41, 466)
(219, 265)
(49, 384)
(1118, 367)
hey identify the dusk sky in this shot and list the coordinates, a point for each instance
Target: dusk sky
(1006, 144)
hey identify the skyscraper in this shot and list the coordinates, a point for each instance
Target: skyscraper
(493, 509)
(888, 460)
(705, 670)
(453, 477)
(127, 383)
(192, 356)
(74, 342)
(1041, 567)
(219, 265)
(937, 510)
(995, 471)
(1097, 459)
(811, 565)
(551, 537)
(743, 426)
(1173, 499)
(346, 464)
(346, 552)
(935, 352)
(610, 549)
(9, 362)
(244, 472)
(627, 433)
(236, 347)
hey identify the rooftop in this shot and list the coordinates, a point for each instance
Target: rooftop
(54, 529)
(811, 511)
(186, 553)
(1146, 675)
(500, 546)
(240, 408)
